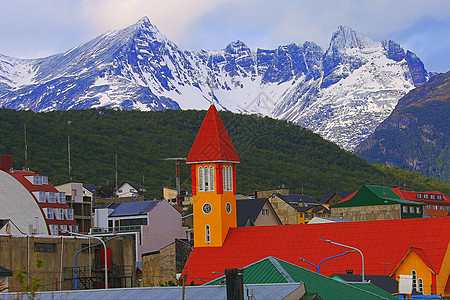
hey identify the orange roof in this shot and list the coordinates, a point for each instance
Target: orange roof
(212, 144)
(383, 243)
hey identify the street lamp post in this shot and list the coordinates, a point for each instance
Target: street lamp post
(325, 259)
(104, 245)
(350, 247)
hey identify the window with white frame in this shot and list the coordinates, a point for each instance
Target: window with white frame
(419, 196)
(425, 196)
(42, 197)
(62, 198)
(211, 178)
(227, 178)
(207, 234)
(51, 197)
(69, 214)
(201, 186)
(60, 213)
(420, 285)
(439, 197)
(73, 228)
(432, 196)
(63, 227)
(54, 230)
(49, 212)
(206, 179)
(429, 206)
(418, 210)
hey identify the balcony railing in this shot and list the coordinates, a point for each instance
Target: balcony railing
(116, 229)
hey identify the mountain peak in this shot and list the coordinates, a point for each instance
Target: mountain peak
(345, 37)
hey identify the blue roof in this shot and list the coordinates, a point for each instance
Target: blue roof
(259, 291)
(133, 208)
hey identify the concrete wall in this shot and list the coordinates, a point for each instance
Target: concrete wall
(162, 266)
(286, 213)
(18, 253)
(18, 205)
(367, 213)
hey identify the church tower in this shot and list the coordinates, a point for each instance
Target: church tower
(213, 160)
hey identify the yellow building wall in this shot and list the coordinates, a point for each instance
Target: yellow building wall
(441, 280)
(414, 262)
(218, 219)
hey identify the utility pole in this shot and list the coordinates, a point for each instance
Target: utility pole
(116, 178)
(178, 186)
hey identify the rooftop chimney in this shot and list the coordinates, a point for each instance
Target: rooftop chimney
(235, 283)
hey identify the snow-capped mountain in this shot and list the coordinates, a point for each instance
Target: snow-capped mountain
(342, 93)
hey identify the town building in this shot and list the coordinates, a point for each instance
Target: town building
(381, 245)
(131, 190)
(32, 203)
(317, 286)
(154, 223)
(80, 200)
(436, 203)
(170, 194)
(166, 264)
(213, 160)
(59, 255)
(376, 203)
(256, 212)
(296, 208)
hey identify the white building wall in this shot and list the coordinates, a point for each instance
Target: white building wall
(18, 205)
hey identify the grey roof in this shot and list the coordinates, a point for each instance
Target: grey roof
(317, 208)
(90, 187)
(297, 198)
(384, 282)
(259, 291)
(248, 210)
(4, 272)
(133, 208)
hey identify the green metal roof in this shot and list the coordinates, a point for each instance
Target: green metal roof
(274, 270)
(370, 195)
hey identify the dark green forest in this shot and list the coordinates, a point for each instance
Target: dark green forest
(273, 153)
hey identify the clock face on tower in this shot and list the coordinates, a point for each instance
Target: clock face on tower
(207, 208)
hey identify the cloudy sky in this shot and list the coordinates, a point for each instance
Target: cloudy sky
(31, 28)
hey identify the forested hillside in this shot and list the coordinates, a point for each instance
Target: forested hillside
(273, 153)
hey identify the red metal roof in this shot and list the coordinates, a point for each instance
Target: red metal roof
(412, 195)
(20, 176)
(383, 243)
(212, 143)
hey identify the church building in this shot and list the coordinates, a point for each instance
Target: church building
(213, 160)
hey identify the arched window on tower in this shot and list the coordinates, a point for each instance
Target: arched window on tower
(207, 234)
(206, 169)
(211, 178)
(205, 179)
(201, 187)
(227, 178)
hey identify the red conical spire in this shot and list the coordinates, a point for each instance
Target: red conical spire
(212, 144)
